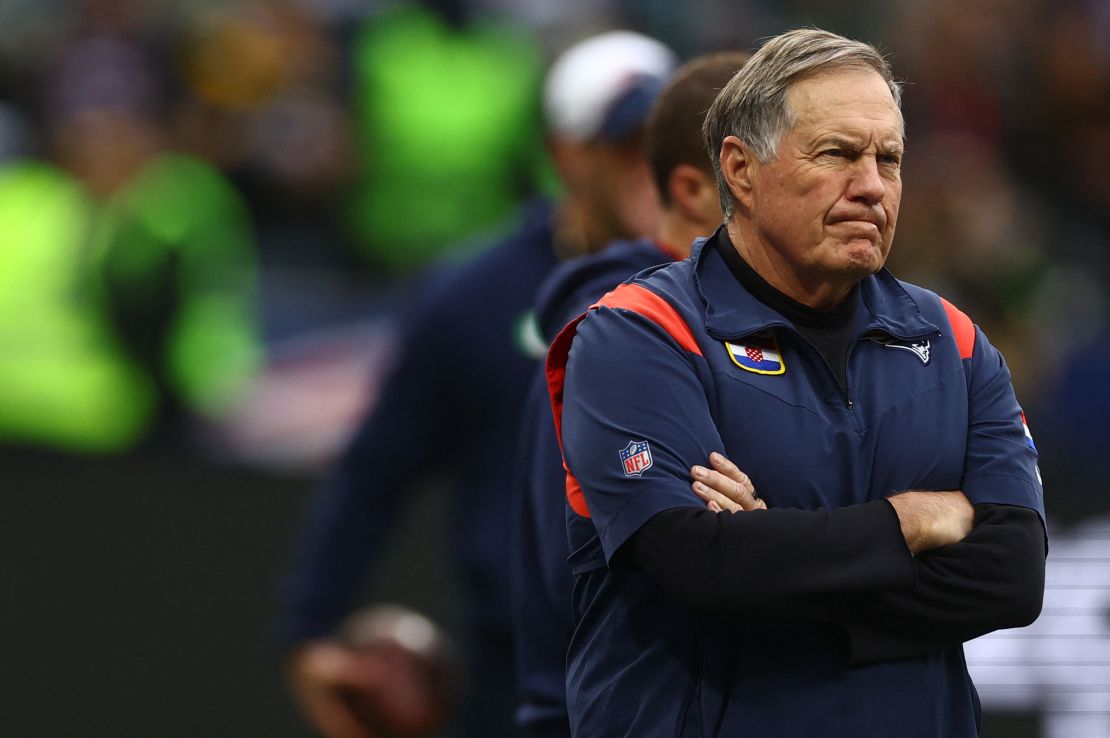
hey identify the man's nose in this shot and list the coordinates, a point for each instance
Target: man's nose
(867, 183)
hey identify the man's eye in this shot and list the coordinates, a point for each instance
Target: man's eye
(892, 159)
(834, 152)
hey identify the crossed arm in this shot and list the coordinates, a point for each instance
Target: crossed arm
(972, 570)
(895, 577)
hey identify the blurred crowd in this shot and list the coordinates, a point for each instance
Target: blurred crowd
(184, 186)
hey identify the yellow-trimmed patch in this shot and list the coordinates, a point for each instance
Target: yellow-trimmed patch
(758, 354)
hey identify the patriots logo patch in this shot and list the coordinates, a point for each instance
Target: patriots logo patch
(759, 354)
(920, 349)
(636, 458)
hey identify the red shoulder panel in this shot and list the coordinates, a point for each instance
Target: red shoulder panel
(653, 307)
(627, 297)
(556, 370)
(962, 329)
(574, 494)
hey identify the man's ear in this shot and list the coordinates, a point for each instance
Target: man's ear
(738, 165)
(693, 192)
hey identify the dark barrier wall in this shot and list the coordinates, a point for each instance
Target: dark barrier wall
(137, 595)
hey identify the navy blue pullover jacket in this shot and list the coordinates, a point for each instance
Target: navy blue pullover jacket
(541, 584)
(450, 406)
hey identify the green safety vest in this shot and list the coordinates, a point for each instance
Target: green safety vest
(174, 246)
(177, 236)
(448, 127)
(64, 381)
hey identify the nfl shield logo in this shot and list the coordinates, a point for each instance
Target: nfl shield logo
(636, 458)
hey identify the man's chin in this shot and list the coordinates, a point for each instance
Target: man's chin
(862, 257)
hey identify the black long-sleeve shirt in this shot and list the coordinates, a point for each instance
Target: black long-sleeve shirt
(850, 568)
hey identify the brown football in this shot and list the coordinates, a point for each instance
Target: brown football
(422, 684)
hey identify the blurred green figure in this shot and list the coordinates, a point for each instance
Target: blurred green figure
(447, 122)
(128, 275)
(64, 381)
(113, 313)
(176, 254)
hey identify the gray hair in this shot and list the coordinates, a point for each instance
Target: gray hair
(753, 105)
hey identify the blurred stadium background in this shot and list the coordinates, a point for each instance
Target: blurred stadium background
(212, 211)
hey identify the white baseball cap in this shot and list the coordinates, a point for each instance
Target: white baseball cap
(603, 87)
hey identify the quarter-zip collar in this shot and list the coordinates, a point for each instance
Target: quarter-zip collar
(732, 312)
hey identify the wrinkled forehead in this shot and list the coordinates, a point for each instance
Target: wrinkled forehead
(856, 95)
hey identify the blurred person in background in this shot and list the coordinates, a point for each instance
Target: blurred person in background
(541, 576)
(138, 269)
(263, 98)
(171, 239)
(407, 206)
(65, 380)
(452, 402)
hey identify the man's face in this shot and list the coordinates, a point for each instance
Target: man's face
(826, 206)
(621, 190)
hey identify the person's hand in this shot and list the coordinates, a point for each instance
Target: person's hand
(932, 519)
(388, 672)
(378, 689)
(724, 486)
(322, 676)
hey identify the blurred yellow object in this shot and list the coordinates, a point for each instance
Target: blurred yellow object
(235, 63)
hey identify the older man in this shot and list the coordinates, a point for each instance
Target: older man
(899, 509)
